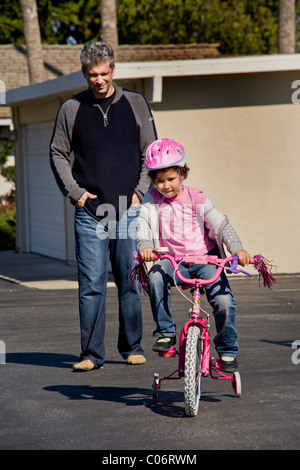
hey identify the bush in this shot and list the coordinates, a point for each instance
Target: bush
(8, 230)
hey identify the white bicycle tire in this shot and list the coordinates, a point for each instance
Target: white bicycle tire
(192, 371)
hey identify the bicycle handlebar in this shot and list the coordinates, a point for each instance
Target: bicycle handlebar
(220, 262)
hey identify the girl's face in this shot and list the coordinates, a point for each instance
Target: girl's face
(99, 78)
(167, 182)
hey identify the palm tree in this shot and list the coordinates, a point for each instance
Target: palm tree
(286, 27)
(109, 27)
(32, 36)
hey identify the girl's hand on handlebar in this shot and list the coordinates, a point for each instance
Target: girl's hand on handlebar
(148, 255)
(244, 257)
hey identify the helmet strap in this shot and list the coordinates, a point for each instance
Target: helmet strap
(181, 182)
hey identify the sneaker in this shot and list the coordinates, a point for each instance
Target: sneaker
(164, 344)
(228, 364)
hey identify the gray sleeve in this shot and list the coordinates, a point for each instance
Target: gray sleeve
(219, 228)
(147, 224)
(61, 150)
(147, 134)
(231, 239)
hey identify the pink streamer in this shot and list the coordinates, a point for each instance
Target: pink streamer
(264, 268)
(139, 272)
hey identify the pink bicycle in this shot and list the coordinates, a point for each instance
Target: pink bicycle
(194, 355)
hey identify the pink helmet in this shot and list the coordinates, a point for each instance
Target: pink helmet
(163, 153)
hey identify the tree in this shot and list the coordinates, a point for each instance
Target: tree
(11, 24)
(109, 27)
(286, 27)
(32, 37)
(241, 27)
(69, 22)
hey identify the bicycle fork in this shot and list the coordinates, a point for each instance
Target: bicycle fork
(203, 325)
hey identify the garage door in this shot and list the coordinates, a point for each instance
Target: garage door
(45, 202)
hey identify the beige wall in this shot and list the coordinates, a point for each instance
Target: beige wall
(247, 161)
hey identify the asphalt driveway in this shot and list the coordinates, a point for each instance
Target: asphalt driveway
(46, 406)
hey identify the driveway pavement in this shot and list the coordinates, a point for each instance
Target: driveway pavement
(46, 406)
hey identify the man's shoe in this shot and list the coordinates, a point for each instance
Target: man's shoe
(228, 364)
(84, 366)
(164, 344)
(136, 359)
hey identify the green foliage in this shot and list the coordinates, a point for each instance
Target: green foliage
(239, 26)
(60, 21)
(8, 171)
(7, 230)
(5, 151)
(7, 212)
(243, 27)
(66, 21)
(11, 23)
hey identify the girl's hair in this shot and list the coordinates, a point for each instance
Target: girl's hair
(182, 171)
(97, 52)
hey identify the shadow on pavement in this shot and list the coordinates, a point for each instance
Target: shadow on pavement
(165, 405)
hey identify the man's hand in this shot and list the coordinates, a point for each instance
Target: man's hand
(84, 197)
(135, 200)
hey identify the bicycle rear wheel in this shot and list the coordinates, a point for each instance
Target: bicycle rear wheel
(192, 371)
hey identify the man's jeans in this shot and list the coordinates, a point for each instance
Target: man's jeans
(94, 241)
(219, 295)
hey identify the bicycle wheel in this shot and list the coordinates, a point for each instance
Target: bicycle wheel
(155, 386)
(237, 384)
(192, 371)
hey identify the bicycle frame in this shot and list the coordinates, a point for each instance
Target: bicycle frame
(208, 366)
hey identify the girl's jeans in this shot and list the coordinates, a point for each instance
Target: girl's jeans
(219, 295)
(94, 240)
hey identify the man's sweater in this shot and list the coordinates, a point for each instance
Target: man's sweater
(109, 148)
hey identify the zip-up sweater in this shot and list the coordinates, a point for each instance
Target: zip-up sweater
(109, 148)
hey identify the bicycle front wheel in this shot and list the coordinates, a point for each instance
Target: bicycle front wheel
(192, 371)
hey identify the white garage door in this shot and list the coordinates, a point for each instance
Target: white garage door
(45, 202)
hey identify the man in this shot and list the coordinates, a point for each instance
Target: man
(108, 130)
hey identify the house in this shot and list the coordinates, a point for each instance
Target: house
(63, 59)
(234, 116)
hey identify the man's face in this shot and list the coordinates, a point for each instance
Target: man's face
(99, 78)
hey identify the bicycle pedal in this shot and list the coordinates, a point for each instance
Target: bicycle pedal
(170, 353)
(217, 365)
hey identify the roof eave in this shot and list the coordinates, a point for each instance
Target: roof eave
(134, 70)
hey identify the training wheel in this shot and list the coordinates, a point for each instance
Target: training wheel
(155, 386)
(237, 384)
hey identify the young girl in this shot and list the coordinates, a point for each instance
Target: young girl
(185, 221)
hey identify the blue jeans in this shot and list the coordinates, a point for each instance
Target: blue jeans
(219, 295)
(94, 240)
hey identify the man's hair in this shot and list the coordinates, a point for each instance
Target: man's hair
(97, 52)
(182, 171)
